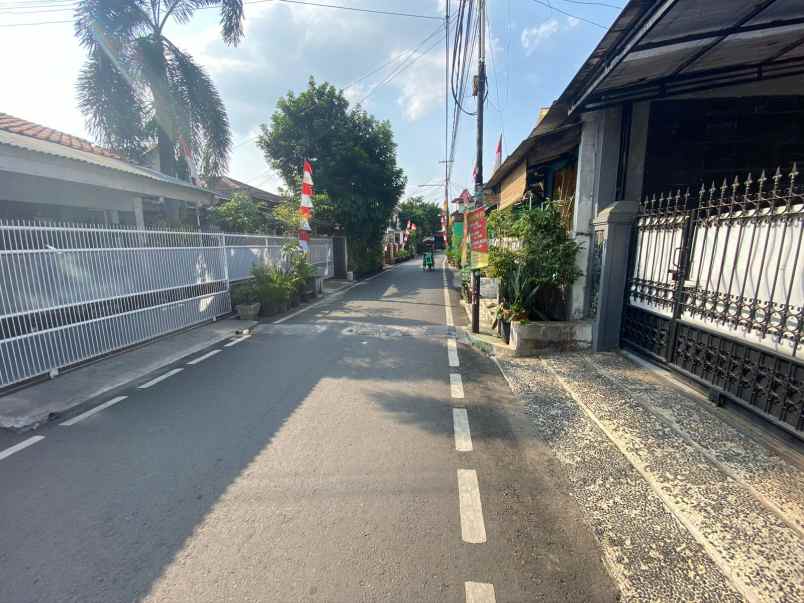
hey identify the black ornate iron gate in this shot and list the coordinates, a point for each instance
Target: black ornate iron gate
(716, 291)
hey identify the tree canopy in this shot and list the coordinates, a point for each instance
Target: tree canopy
(357, 180)
(426, 216)
(137, 87)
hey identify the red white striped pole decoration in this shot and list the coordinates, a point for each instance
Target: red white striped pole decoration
(306, 207)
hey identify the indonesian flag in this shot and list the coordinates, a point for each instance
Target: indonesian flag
(498, 154)
(306, 207)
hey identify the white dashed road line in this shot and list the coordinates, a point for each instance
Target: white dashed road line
(455, 385)
(463, 437)
(93, 411)
(4, 454)
(204, 357)
(236, 341)
(452, 352)
(160, 378)
(479, 592)
(473, 530)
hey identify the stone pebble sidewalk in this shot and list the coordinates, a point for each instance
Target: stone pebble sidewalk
(685, 506)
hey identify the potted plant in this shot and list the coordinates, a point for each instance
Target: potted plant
(274, 288)
(245, 298)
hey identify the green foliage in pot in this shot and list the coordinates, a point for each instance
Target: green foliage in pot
(543, 261)
(244, 293)
(299, 267)
(274, 287)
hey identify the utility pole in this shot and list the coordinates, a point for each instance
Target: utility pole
(479, 202)
(446, 108)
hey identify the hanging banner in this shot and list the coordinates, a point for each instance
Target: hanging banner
(478, 238)
(306, 207)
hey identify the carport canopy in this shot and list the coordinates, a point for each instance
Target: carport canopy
(660, 48)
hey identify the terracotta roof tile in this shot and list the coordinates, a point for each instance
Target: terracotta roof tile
(34, 130)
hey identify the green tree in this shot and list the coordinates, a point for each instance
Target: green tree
(240, 213)
(426, 216)
(357, 180)
(137, 87)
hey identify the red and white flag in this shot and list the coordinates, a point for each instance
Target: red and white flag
(498, 154)
(187, 153)
(306, 207)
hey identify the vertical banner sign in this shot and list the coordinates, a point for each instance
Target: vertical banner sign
(306, 207)
(479, 241)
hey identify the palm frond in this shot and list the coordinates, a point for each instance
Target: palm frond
(110, 22)
(114, 110)
(207, 122)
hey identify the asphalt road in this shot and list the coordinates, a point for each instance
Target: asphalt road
(313, 461)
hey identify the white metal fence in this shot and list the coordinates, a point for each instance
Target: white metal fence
(69, 293)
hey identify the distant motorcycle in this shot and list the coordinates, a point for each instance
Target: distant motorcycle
(428, 265)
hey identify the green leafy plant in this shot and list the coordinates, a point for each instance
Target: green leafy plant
(540, 269)
(274, 287)
(298, 267)
(240, 213)
(245, 293)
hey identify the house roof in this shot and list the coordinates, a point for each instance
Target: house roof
(226, 185)
(15, 125)
(659, 48)
(34, 137)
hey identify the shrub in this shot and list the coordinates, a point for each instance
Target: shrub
(274, 287)
(534, 276)
(299, 268)
(244, 293)
(239, 214)
(365, 258)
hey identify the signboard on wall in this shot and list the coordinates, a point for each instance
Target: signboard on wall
(478, 237)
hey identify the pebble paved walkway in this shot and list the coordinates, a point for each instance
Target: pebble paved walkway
(685, 506)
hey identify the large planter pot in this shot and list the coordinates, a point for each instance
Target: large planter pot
(534, 338)
(248, 311)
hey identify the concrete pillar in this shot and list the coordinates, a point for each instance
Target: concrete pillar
(595, 189)
(635, 175)
(609, 272)
(139, 217)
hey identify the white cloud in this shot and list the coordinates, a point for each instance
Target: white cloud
(355, 94)
(533, 36)
(572, 21)
(421, 86)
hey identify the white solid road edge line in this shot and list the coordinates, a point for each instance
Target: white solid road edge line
(236, 341)
(92, 411)
(455, 385)
(463, 436)
(160, 378)
(4, 454)
(473, 530)
(479, 592)
(452, 352)
(204, 357)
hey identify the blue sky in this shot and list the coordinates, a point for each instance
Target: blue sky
(534, 51)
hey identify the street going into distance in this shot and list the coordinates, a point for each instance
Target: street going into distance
(354, 451)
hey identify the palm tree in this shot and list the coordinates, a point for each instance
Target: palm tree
(137, 87)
